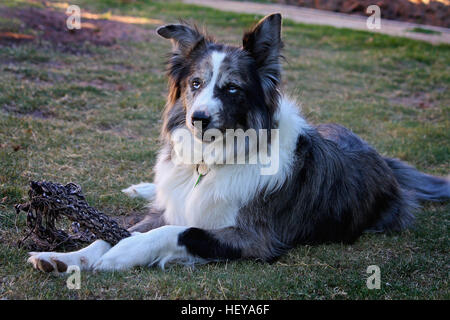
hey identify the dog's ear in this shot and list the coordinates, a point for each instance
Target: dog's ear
(263, 42)
(184, 38)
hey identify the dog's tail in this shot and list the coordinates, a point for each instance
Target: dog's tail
(415, 186)
(423, 186)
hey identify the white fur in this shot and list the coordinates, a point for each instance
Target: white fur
(206, 100)
(84, 258)
(216, 200)
(156, 246)
(143, 190)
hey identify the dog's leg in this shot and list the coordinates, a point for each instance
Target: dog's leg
(232, 243)
(154, 219)
(143, 190)
(59, 262)
(87, 257)
(186, 245)
(159, 245)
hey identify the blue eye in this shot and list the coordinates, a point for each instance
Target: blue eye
(196, 84)
(232, 88)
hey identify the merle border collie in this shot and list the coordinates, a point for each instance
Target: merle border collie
(331, 186)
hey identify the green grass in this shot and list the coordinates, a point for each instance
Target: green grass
(94, 118)
(423, 30)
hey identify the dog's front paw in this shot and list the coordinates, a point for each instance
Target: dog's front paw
(47, 262)
(60, 262)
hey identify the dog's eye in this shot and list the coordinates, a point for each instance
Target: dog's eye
(196, 84)
(232, 88)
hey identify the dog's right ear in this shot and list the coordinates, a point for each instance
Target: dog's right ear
(184, 38)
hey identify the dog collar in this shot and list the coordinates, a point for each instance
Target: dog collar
(202, 170)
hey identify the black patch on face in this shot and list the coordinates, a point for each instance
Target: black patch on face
(246, 108)
(203, 244)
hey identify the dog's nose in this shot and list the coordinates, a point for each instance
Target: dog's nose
(202, 116)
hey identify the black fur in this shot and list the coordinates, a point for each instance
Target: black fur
(339, 186)
(424, 186)
(264, 43)
(203, 244)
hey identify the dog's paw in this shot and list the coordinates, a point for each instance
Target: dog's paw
(143, 190)
(47, 262)
(60, 262)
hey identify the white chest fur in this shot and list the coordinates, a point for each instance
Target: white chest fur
(207, 205)
(216, 200)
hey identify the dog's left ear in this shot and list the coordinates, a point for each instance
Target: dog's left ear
(263, 42)
(183, 37)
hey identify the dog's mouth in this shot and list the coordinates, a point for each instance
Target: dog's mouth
(205, 137)
(210, 134)
(215, 131)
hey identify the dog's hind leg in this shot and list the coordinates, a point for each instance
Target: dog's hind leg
(415, 186)
(399, 216)
(154, 219)
(143, 190)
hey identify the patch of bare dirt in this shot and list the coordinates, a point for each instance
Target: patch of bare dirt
(41, 114)
(49, 25)
(432, 12)
(419, 100)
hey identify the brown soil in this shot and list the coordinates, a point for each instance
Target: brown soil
(418, 100)
(417, 11)
(49, 26)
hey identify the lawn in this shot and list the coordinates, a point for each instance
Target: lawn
(92, 116)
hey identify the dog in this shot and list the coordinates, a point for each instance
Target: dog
(329, 185)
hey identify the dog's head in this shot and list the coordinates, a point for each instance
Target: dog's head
(221, 86)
